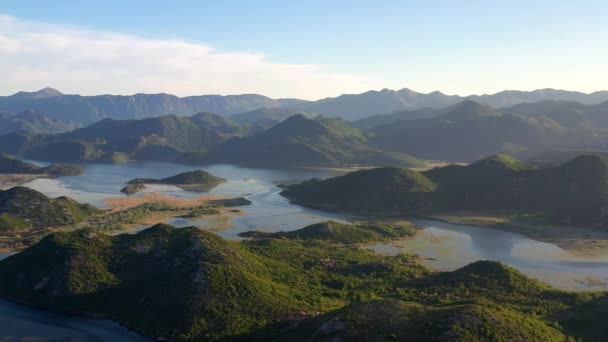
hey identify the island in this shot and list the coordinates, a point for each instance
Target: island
(342, 232)
(14, 171)
(198, 180)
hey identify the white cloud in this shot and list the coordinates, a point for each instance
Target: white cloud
(75, 60)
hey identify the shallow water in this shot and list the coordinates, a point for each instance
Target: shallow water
(445, 246)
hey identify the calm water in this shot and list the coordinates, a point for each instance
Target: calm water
(445, 246)
(22, 323)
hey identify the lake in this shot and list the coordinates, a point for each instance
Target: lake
(444, 246)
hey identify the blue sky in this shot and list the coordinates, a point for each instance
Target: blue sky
(313, 49)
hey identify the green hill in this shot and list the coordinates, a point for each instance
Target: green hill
(193, 180)
(10, 164)
(188, 284)
(303, 142)
(394, 320)
(180, 283)
(573, 193)
(22, 208)
(341, 233)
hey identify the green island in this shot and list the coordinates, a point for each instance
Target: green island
(197, 180)
(342, 232)
(14, 171)
(181, 284)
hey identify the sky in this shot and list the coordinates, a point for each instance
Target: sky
(302, 49)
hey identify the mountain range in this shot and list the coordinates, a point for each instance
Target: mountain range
(110, 140)
(89, 109)
(469, 130)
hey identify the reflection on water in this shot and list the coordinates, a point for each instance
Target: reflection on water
(447, 247)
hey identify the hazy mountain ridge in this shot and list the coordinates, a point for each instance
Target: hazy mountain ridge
(88, 109)
(469, 130)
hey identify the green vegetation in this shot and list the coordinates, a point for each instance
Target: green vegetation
(573, 193)
(10, 164)
(10, 223)
(303, 142)
(185, 283)
(117, 220)
(394, 320)
(23, 207)
(193, 178)
(342, 233)
(198, 180)
(62, 170)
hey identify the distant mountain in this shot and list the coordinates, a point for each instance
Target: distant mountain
(89, 109)
(160, 138)
(573, 193)
(358, 106)
(40, 94)
(264, 118)
(469, 130)
(385, 119)
(567, 113)
(303, 142)
(31, 121)
(512, 97)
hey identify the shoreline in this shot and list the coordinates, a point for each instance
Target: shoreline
(118, 204)
(579, 241)
(10, 180)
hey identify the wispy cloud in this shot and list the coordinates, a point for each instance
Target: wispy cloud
(77, 60)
